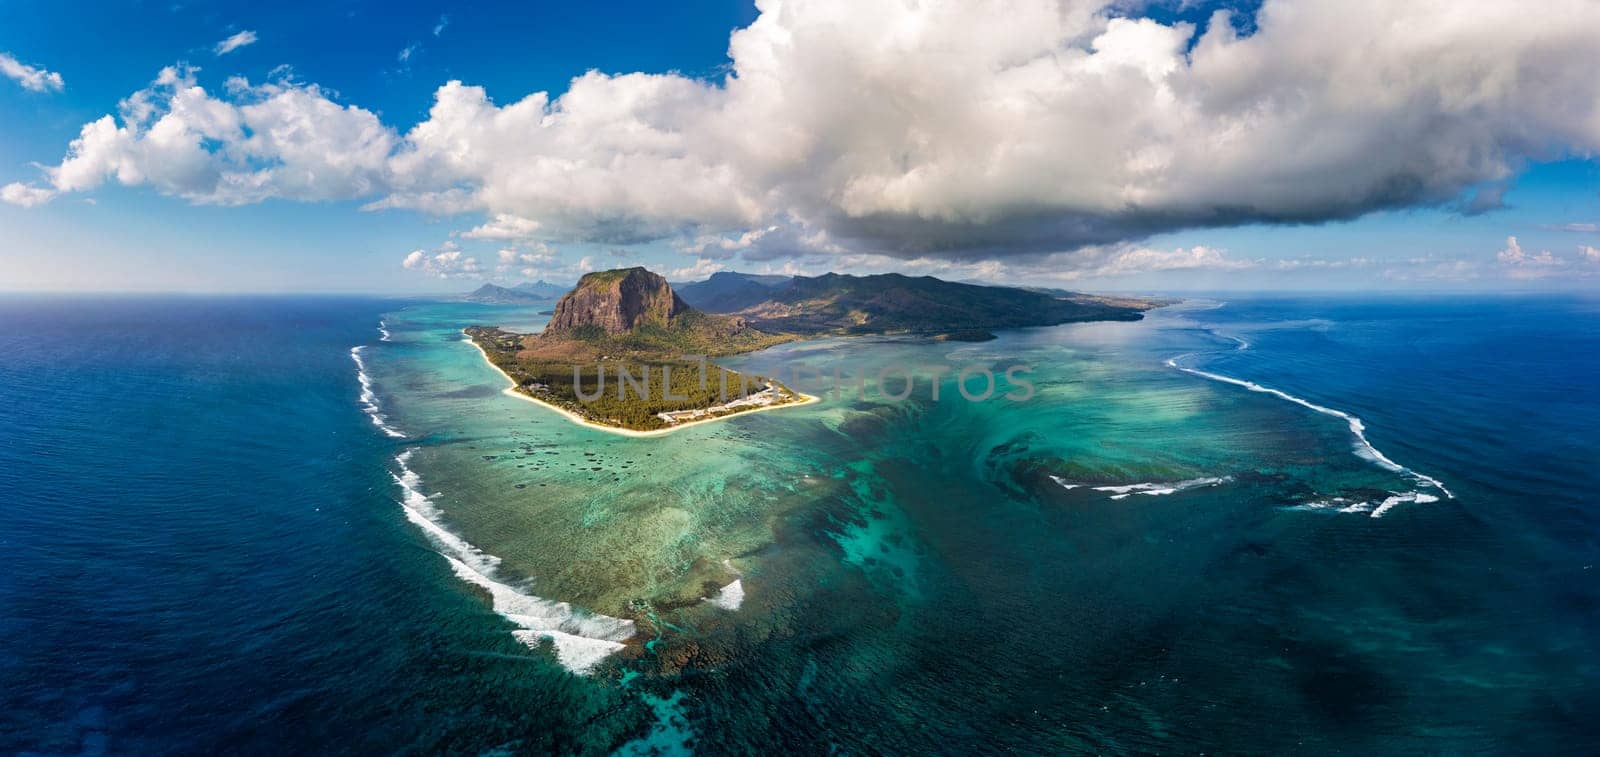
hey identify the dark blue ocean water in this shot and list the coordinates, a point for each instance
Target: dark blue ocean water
(204, 553)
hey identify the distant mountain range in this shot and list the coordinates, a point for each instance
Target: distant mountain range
(526, 292)
(891, 302)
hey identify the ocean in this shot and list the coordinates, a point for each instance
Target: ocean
(1247, 523)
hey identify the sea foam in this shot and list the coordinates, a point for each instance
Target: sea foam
(1158, 489)
(730, 597)
(369, 398)
(1373, 509)
(1358, 429)
(1152, 488)
(581, 638)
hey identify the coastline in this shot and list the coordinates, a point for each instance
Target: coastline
(511, 391)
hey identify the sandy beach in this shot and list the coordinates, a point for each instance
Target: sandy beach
(511, 391)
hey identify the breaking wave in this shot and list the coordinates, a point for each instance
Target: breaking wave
(1358, 429)
(369, 398)
(581, 639)
(1151, 488)
(1374, 509)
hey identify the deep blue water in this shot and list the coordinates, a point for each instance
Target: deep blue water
(204, 553)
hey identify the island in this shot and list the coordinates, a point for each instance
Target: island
(521, 294)
(625, 352)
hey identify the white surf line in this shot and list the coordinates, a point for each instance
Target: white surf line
(582, 639)
(1363, 447)
(383, 331)
(1159, 489)
(369, 398)
(511, 391)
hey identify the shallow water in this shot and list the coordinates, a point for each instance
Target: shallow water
(220, 544)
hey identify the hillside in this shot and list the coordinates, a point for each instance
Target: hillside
(542, 289)
(894, 303)
(522, 294)
(729, 291)
(635, 313)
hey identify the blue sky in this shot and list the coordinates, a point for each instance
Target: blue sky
(831, 206)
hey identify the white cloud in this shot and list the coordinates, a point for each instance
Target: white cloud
(538, 257)
(278, 139)
(447, 262)
(235, 42)
(32, 78)
(408, 51)
(17, 193)
(957, 131)
(444, 21)
(1136, 260)
(941, 129)
(701, 269)
(1514, 255)
(1518, 263)
(504, 227)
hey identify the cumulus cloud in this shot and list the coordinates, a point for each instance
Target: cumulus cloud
(701, 269)
(17, 193)
(32, 78)
(914, 128)
(536, 258)
(957, 131)
(447, 262)
(1522, 264)
(504, 227)
(278, 139)
(1513, 254)
(235, 42)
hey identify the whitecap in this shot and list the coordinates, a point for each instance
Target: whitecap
(1361, 506)
(369, 398)
(1159, 489)
(1388, 503)
(383, 331)
(731, 597)
(581, 639)
(1063, 484)
(1363, 448)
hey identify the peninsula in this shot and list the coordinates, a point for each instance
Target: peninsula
(624, 351)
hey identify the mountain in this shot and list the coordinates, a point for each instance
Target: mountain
(617, 301)
(542, 289)
(891, 302)
(634, 313)
(493, 294)
(730, 291)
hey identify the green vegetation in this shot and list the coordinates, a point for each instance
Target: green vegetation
(617, 348)
(891, 303)
(628, 392)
